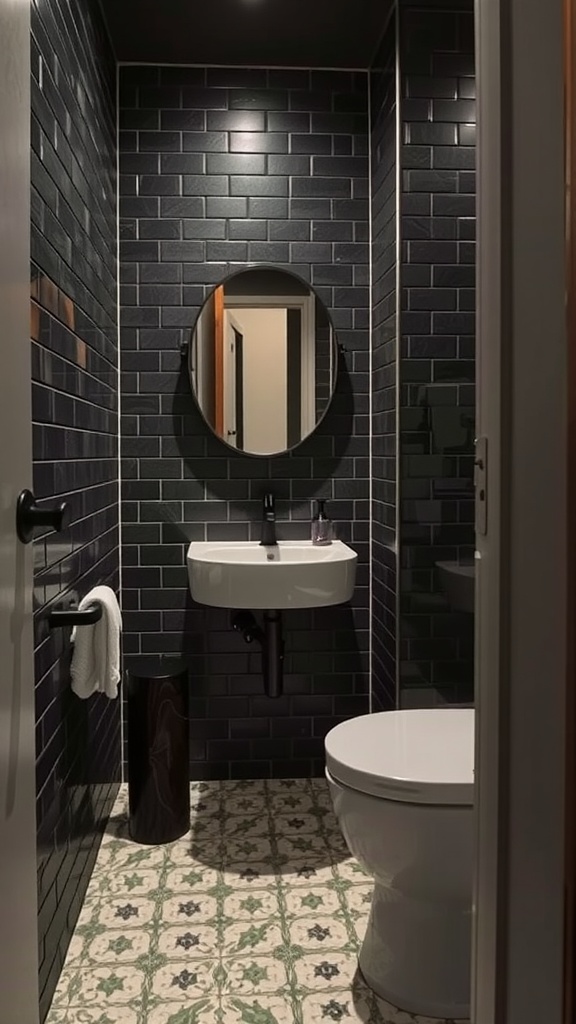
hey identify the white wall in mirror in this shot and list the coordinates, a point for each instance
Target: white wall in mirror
(263, 361)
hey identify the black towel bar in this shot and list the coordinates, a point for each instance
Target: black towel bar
(73, 617)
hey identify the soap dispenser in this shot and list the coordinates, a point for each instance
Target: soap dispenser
(322, 527)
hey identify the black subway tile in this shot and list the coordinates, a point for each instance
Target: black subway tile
(330, 188)
(204, 142)
(258, 142)
(258, 99)
(236, 120)
(454, 111)
(182, 120)
(176, 206)
(217, 206)
(205, 185)
(292, 164)
(235, 163)
(204, 99)
(258, 185)
(159, 142)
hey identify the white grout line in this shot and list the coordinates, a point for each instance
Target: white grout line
(398, 84)
(121, 690)
(370, 403)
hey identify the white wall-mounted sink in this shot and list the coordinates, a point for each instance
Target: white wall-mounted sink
(291, 574)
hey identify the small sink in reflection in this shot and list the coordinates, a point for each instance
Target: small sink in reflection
(457, 580)
(290, 574)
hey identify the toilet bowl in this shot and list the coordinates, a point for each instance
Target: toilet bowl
(402, 786)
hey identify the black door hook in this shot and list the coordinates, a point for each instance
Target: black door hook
(29, 515)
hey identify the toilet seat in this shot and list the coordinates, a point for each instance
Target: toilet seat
(417, 756)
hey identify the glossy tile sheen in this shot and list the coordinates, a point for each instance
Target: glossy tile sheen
(254, 917)
(214, 178)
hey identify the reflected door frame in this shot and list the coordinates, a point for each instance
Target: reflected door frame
(306, 304)
(233, 413)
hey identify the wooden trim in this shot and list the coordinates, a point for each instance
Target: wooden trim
(219, 360)
(570, 865)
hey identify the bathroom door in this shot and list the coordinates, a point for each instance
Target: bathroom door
(521, 606)
(18, 946)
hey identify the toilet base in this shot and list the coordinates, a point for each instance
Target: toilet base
(416, 953)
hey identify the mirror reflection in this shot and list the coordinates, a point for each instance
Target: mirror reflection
(263, 361)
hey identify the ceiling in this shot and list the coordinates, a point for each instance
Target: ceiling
(289, 33)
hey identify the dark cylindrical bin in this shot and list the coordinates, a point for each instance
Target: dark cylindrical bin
(158, 762)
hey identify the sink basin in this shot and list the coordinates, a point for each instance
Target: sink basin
(292, 574)
(457, 582)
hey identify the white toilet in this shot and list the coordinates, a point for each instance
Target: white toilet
(402, 786)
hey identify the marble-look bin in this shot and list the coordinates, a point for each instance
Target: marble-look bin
(158, 787)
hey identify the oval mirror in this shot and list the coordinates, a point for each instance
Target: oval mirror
(263, 361)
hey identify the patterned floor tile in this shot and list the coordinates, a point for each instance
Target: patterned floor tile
(206, 827)
(296, 824)
(254, 975)
(247, 826)
(313, 847)
(303, 870)
(124, 854)
(311, 899)
(339, 1005)
(96, 1015)
(247, 804)
(326, 970)
(189, 877)
(127, 881)
(248, 874)
(255, 916)
(196, 1011)
(199, 908)
(258, 904)
(116, 947)
(182, 984)
(188, 855)
(351, 870)
(268, 1009)
(249, 848)
(291, 802)
(188, 942)
(97, 985)
(125, 911)
(319, 932)
(257, 937)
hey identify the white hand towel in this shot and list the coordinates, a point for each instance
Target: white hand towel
(96, 657)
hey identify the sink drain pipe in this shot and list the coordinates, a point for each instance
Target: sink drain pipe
(271, 642)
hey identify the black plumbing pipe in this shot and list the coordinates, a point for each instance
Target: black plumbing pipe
(271, 642)
(273, 653)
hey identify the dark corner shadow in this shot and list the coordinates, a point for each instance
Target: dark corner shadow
(304, 859)
(300, 864)
(207, 850)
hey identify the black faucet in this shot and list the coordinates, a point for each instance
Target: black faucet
(268, 537)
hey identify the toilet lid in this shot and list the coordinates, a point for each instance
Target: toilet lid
(424, 757)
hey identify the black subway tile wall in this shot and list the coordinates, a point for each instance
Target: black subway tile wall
(223, 168)
(75, 442)
(438, 346)
(383, 105)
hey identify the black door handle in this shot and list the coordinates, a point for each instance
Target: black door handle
(29, 515)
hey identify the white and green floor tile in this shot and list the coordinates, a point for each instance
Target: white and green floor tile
(254, 917)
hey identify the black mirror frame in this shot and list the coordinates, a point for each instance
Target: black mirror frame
(188, 348)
